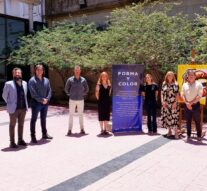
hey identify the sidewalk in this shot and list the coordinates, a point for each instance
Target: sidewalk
(136, 162)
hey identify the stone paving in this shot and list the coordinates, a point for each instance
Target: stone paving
(120, 162)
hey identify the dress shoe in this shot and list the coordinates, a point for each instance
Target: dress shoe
(69, 132)
(199, 139)
(82, 132)
(105, 132)
(47, 137)
(22, 143)
(150, 132)
(13, 145)
(34, 140)
(188, 138)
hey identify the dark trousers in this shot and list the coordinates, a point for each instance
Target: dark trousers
(195, 114)
(19, 115)
(151, 109)
(36, 108)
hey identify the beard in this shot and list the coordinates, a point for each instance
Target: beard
(17, 78)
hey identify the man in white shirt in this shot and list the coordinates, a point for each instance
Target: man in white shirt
(192, 92)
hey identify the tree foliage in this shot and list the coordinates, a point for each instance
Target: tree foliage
(60, 47)
(134, 35)
(201, 40)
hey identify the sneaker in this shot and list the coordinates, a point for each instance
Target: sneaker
(69, 133)
(82, 132)
(13, 145)
(22, 143)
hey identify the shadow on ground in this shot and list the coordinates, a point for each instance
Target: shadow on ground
(39, 142)
(76, 135)
(8, 149)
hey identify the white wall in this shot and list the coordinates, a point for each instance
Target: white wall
(1, 6)
(18, 9)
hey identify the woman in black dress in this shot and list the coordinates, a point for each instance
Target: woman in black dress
(149, 91)
(103, 92)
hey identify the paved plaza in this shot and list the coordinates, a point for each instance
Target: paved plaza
(91, 162)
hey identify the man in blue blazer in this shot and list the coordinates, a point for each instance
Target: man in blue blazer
(15, 96)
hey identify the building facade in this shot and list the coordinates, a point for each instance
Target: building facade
(14, 23)
(20, 9)
(96, 11)
(99, 10)
(15, 15)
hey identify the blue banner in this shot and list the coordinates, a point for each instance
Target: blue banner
(127, 103)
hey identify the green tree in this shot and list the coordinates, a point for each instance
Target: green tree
(139, 36)
(201, 41)
(60, 47)
(135, 35)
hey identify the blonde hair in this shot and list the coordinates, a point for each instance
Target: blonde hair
(150, 75)
(166, 81)
(100, 78)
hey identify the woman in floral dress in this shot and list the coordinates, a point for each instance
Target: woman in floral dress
(170, 108)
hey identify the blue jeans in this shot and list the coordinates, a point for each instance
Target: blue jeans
(36, 108)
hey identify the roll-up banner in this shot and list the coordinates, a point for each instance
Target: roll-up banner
(127, 103)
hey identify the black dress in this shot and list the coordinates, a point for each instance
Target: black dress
(104, 103)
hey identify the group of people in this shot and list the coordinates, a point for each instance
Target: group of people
(191, 94)
(76, 87)
(15, 95)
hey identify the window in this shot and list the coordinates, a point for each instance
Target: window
(9, 40)
(2, 49)
(83, 4)
(2, 37)
(15, 29)
(2, 70)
